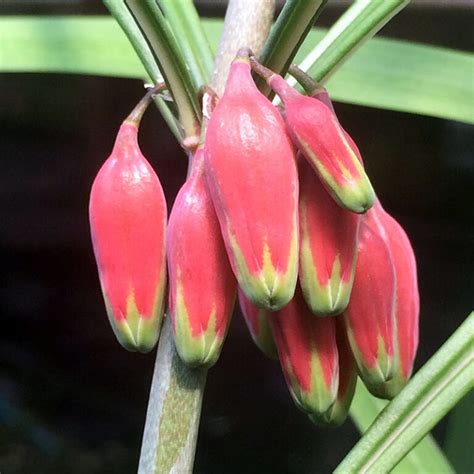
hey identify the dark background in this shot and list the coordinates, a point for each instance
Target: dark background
(71, 399)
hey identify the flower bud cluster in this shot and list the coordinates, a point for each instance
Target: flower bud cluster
(277, 209)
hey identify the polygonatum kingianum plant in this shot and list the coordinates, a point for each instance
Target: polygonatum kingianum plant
(271, 194)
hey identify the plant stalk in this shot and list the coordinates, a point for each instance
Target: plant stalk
(174, 407)
(244, 26)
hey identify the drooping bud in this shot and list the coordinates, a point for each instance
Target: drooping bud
(328, 246)
(339, 410)
(308, 355)
(319, 136)
(407, 296)
(127, 213)
(202, 285)
(252, 178)
(369, 317)
(258, 323)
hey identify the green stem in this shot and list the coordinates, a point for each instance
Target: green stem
(135, 116)
(243, 26)
(174, 408)
(186, 25)
(359, 23)
(124, 18)
(169, 57)
(432, 392)
(291, 28)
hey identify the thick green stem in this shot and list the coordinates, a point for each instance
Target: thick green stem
(174, 408)
(432, 392)
(243, 26)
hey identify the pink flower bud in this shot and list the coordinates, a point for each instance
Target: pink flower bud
(128, 217)
(252, 178)
(369, 317)
(338, 412)
(202, 285)
(328, 246)
(257, 320)
(308, 355)
(319, 136)
(407, 296)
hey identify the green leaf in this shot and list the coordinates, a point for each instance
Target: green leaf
(460, 429)
(358, 23)
(186, 25)
(126, 21)
(389, 74)
(171, 62)
(290, 29)
(431, 393)
(426, 456)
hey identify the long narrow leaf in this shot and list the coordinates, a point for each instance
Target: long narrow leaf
(186, 26)
(426, 456)
(126, 21)
(432, 392)
(289, 31)
(359, 23)
(171, 61)
(388, 74)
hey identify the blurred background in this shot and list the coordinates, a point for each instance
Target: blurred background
(71, 399)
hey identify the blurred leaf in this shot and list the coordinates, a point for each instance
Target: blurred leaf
(388, 74)
(426, 456)
(460, 433)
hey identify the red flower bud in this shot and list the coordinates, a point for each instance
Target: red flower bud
(258, 323)
(370, 315)
(128, 217)
(308, 355)
(407, 296)
(202, 285)
(252, 178)
(328, 246)
(338, 412)
(318, 134)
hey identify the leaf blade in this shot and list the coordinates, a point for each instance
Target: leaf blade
(430, 81)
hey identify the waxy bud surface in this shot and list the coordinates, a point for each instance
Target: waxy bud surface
(318, 134)
(258, 323)
(252, 177)
(370, 315)
(127, 213)
(308, 355)
(407, 296)
(337, 413)
(202, 285)
(328, 246)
